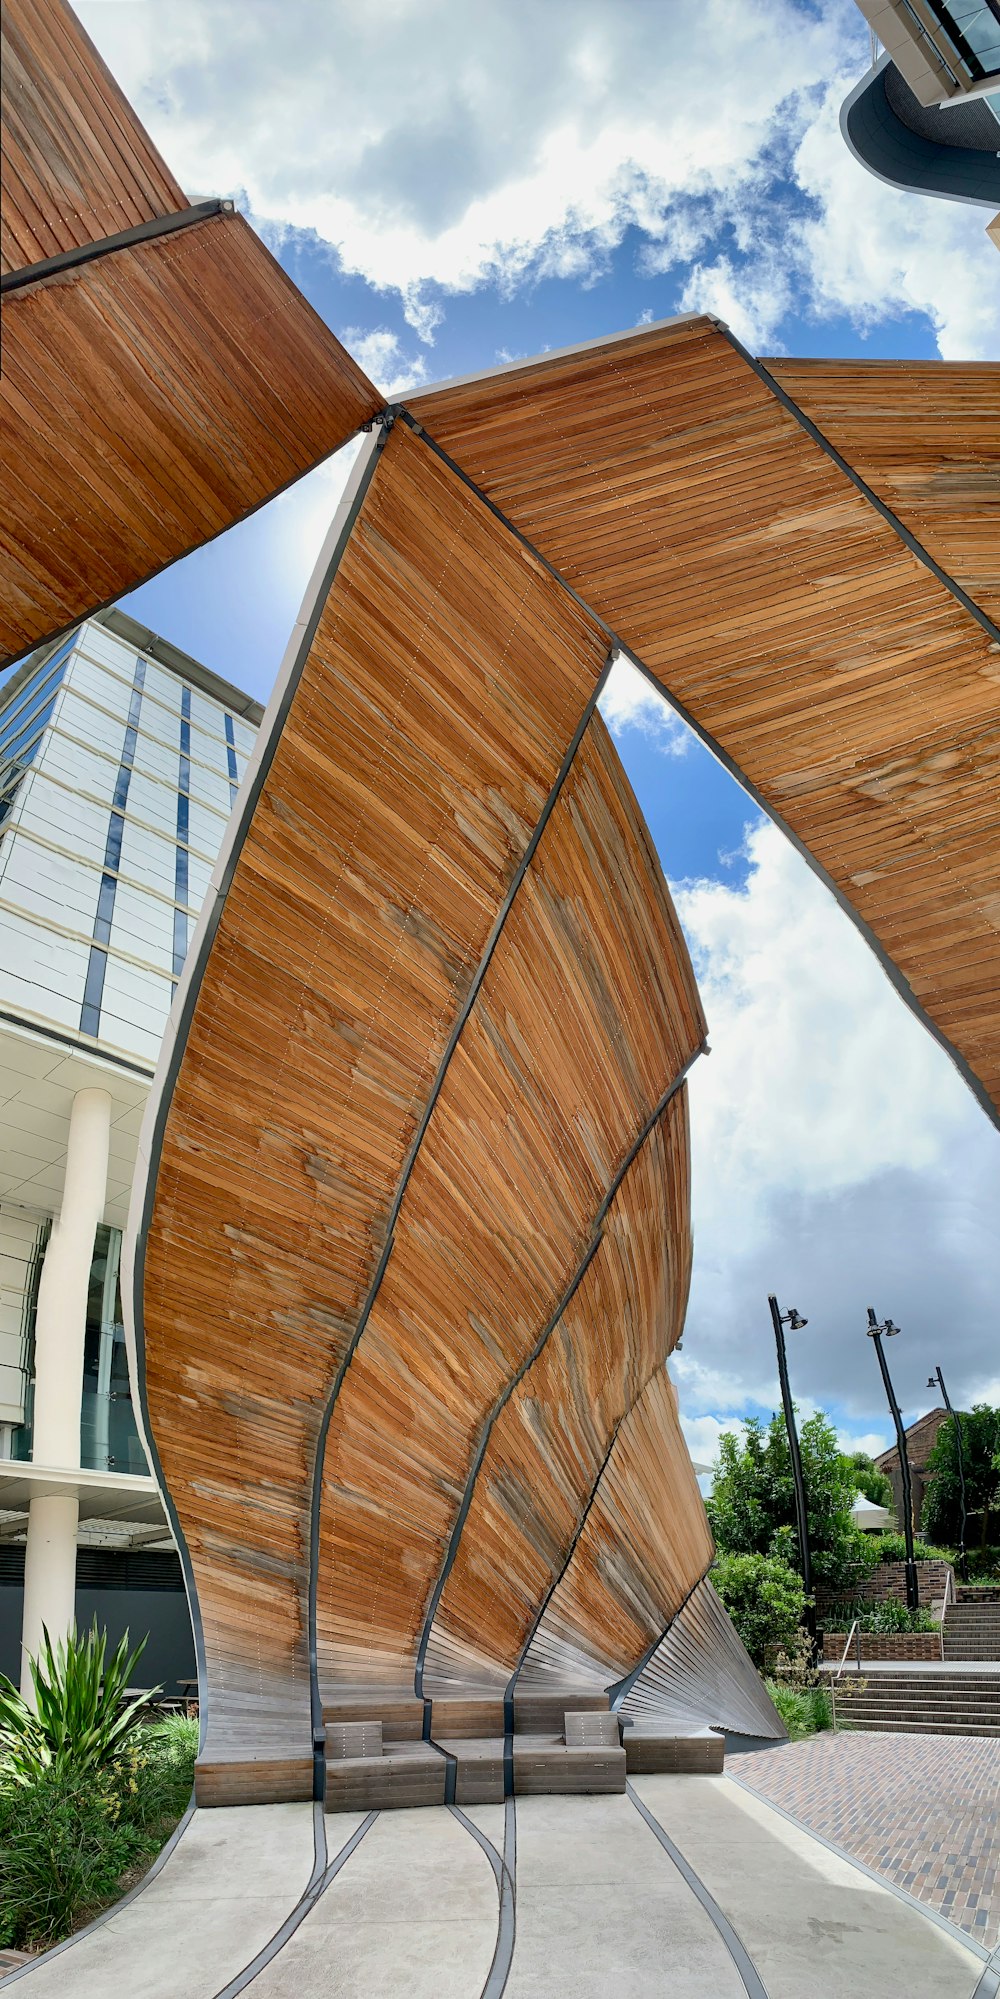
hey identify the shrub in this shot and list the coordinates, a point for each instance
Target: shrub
(69, 1835)
(78, 1717)
(63, 1851)
(765, 1601)
(892, 1548)
(804, 1710)
(881, 1618)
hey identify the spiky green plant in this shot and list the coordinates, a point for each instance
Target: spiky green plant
(80, 1717)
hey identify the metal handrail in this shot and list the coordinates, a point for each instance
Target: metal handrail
(854, 1633)
(949, 1593)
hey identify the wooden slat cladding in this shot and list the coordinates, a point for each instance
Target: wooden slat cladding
(925, 435)
(444, 682)
(548, 1447)
(644, 1545)
(701, 1673)
(671, 488)
(587, 1014)
(77, 164)
(149, 400)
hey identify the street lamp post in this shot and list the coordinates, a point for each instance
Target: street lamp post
(875, 1332)
(961, 1561)
(780, 1320)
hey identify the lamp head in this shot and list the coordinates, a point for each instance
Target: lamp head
(931, 1382)
(795, 1320)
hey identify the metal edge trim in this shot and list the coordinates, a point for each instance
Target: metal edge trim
(536, 363)
(316, 1886)
(880, 1880)
(896, 978)
(892, 520)
(753, 1984)
(503, 1866)
(189, 985)
(103, 246)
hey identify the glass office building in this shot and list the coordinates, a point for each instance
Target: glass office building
(120, 761)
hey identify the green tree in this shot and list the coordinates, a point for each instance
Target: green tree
(868, 1479)
(752, 1507)
(765, 1600)
(940, 1514)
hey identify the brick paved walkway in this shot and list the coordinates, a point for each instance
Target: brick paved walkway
(922, 1810)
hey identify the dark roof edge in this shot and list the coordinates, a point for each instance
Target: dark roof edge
(176, 661)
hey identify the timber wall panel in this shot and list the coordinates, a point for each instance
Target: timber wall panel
(77, 164)
(442, 687)
(587, 1013)
(669, 486)
(645, 1544)
(925, 435)
(701, 1673)
(548, 1447)
(149, 400)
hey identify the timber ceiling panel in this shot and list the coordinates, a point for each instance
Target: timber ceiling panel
(149, 400)
(925, 435)
(77, 164)
(445, 679)
(548, 1447)
(587, 1015)
(644, 1545)
(668, 485)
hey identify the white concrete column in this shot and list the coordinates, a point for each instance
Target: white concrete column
(60, 1328)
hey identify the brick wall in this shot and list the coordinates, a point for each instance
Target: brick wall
(889, 1581)
(916, 1645)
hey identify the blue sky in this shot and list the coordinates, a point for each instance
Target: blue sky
(451, 188)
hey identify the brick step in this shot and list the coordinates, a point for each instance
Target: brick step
(878, 1725)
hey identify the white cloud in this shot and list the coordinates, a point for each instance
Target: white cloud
(379, 352)
(838, 1160)
(629, 701)
(434, 145)
(874, 252)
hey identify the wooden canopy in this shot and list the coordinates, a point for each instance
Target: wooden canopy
(162, 377)
(814, 584)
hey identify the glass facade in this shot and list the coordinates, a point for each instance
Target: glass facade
(973, 28)
(23, 722)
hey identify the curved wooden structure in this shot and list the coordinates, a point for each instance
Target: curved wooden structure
(815, 586)
(419, 1146)
(409, 1397)
(411, 1242)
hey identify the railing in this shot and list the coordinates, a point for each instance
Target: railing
(854, 1633)
(949, 1593)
